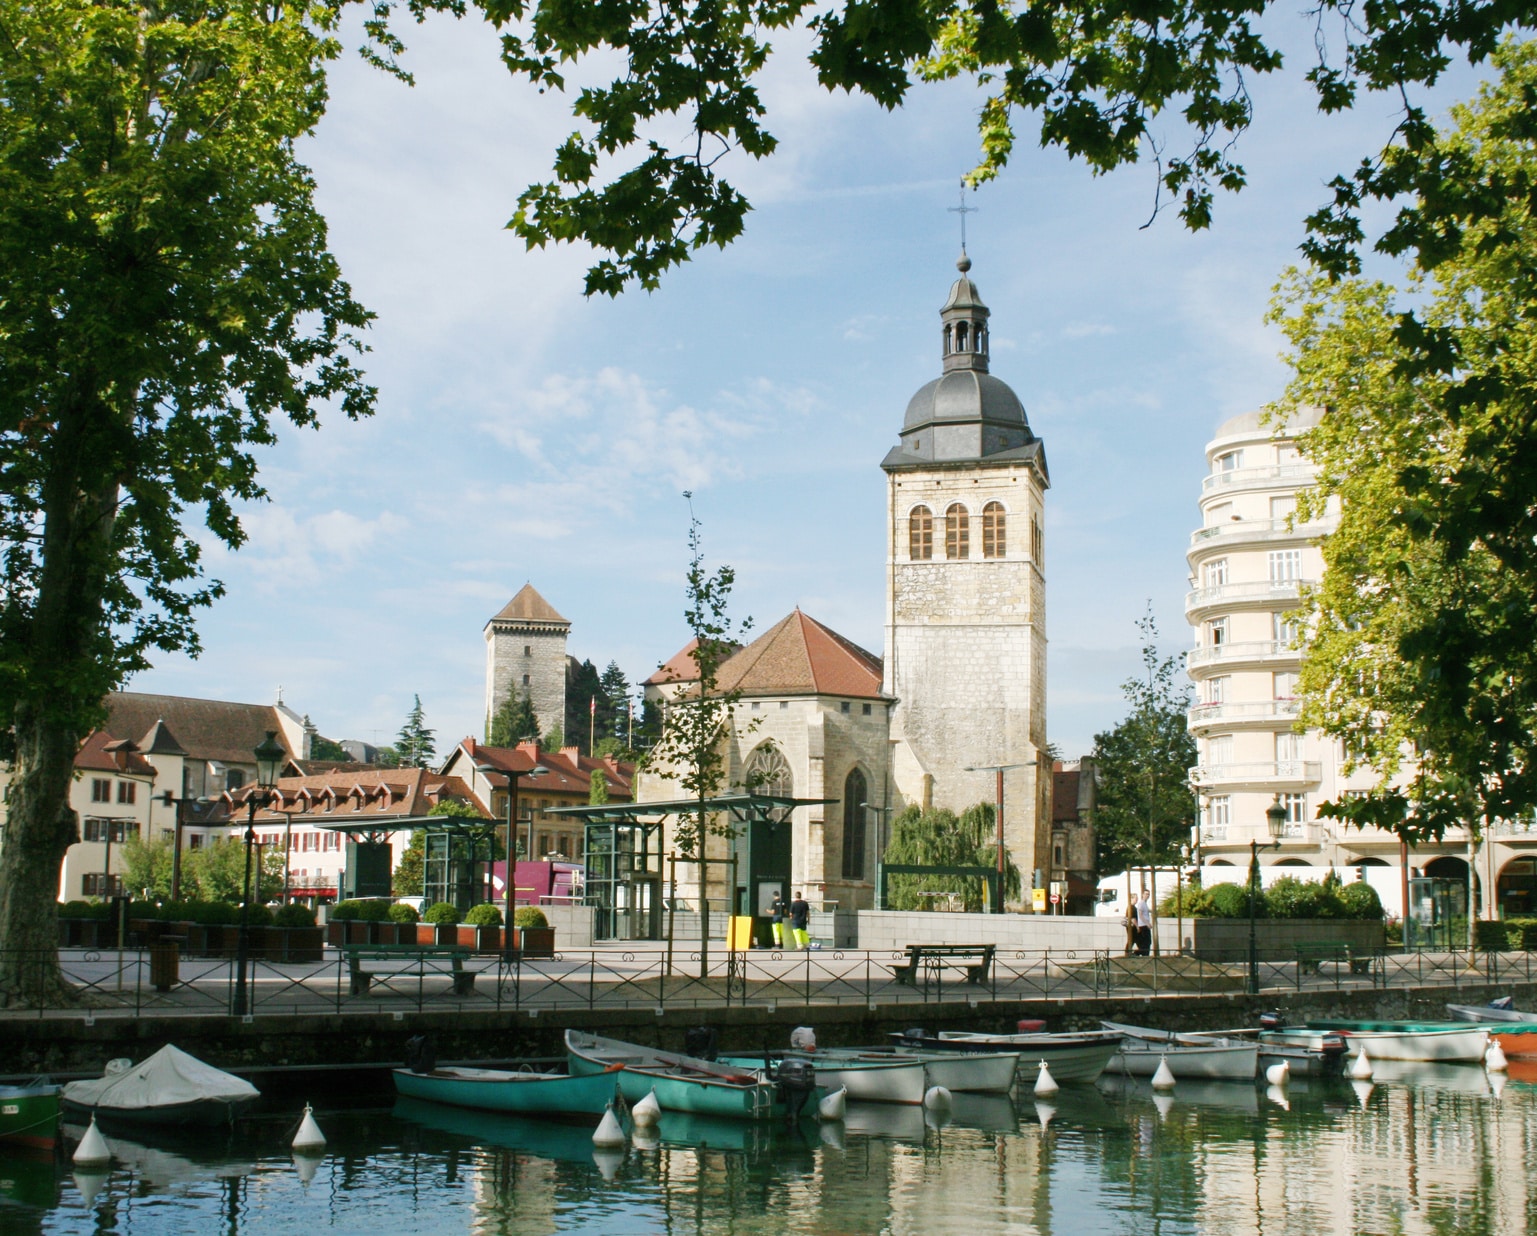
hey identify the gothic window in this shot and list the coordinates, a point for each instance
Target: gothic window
(768, 772)
(855, 793)
(957, 532)
(1037, 541)
(920, 534)
(994, 531)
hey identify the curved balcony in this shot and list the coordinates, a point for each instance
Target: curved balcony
(1276, 476)
(1259, 714)
(1274, 776)
(1260, 654)
(1236, 533)
(1260, 594)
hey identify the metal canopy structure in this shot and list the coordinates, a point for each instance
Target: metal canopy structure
(623, 857)
(457, 854)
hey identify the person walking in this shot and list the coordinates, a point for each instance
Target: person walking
(1144, 924)
(800, 920)
(777, 919)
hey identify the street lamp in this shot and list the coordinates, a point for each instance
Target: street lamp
(1000, 769)
(170, 800)
(1275, 821)
(880, 829)
(512, 775)
(269, 758)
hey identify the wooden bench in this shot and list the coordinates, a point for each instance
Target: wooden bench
(1309, 957)
(361, 980)
(933, 959)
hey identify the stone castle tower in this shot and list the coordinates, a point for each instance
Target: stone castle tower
(526, 647)
(966, 591)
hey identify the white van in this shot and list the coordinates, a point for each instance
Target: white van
(1114, 890)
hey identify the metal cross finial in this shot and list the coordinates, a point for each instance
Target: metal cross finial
(963, 210)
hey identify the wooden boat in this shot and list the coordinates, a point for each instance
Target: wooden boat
(1075, 1056)
(1210, 1059)
(979, 1072)
(1488, 1013)
(1309, 1053)
(29, 1115)
(1410, 1040)
(169, 1087)
(875, 1078)
(499, 1090)
(686, 1083)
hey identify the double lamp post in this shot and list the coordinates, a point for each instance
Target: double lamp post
(269, 759)
(1275, 821)
(513, 775)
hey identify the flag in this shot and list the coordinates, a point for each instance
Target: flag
(592, 705)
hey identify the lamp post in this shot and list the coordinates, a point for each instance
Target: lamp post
(1000, 769)
(269, 757)
(880, 828)
(513, 775)
(1275, 821)
(1179, 898)
(170, 800)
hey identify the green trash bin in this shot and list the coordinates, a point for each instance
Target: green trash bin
(164, 964)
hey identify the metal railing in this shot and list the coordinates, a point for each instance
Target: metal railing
(110, 985)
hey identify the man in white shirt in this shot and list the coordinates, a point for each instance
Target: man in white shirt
(1144, 924)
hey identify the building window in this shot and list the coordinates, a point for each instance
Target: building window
(920, 534)
(845, 706)
(1296, 808)
(855, 794)
(1219, 750)
(1056, 855)
(995, 542)
(1285, 566)
(1216, 632)
(1219, 810)
(1216, 690)
(867, 710)
(101, 790)
(1214, 573)
(1037, 541)
(126, 791)
(1282, 509)
(1284, 629)
(1228, 462)
(768, 772)
(957, 532)
(784, 705)
(528, 650)
(1284, 686)
(99, 884)
(1288, 747)
(234, 779)
(525, 680)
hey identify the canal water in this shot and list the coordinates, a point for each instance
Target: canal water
(1424, 1149)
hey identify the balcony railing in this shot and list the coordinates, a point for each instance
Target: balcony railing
(1259, 592)
(1242, 531)
(1517, 829)
(1204, 716)
(1226, 654)
(1277, 772)
(1277, 476)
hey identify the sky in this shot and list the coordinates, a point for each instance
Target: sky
(526, 434)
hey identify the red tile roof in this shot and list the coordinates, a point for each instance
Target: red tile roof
(206, 729)
(380, 792)
(567, 771)
(800, 656)
(100, 752)
(529, 606)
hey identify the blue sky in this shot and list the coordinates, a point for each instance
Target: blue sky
(525, 434)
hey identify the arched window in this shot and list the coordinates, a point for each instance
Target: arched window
(957, 532)
(995, 541)
(920, 534)
(768, 772)
(855, 794)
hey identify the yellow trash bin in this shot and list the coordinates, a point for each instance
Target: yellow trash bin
(739, 932)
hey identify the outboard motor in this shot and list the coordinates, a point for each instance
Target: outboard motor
(1332, 1048)
(1270, 1021)
(796, 1080)
(701, 1042)
(421, 1053)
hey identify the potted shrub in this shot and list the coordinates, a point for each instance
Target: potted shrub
(404, 919)
(482, 929)
(221, 931)
(536, 938)
(299, 939)
(444, 919)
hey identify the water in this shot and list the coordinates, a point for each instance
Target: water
(1428, 1149)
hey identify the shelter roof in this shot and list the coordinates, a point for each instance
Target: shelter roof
(800, 656)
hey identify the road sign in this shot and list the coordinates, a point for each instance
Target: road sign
(1055, 898)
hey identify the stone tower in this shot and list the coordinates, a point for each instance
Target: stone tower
(526, 646)
(966, 591)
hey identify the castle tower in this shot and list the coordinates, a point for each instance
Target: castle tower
(526, 647)
(966, 592)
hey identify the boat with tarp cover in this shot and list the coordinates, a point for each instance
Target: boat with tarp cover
(169, 1087)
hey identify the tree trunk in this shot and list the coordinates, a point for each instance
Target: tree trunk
(69, 656)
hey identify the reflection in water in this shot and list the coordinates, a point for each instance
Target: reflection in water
(1421, 1149)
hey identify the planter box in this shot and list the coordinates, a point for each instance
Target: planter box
(359, 933)
(536, 941)
(1277, 939)
(426, 933)
(301, 944)
(488, 940)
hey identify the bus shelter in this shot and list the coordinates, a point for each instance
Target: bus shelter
(458, 852)
(624, 859)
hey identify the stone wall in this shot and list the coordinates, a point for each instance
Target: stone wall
(537, 651)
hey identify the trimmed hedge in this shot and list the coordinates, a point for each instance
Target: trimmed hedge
(402, 913)
(444, 914)
(294, 914)
(484, 915)
(529, 916)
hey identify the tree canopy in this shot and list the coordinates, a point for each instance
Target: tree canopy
(1108, 84)
(940, 838)
(515, 721)
(1418, 653)
(415, 744)
(1145, 804)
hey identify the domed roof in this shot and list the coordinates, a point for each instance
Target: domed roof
(965, 395)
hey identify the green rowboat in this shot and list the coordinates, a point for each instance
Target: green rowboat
(523, 1093)
(29, 1115)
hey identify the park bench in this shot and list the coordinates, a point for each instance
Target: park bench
(931, 960)
(361, 979)
(1310, 956)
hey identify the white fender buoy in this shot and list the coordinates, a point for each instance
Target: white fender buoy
(1164, 1102)
(1496, 1084)
(1279, 1074)
(1045, 1083)
(1363, 1091)
(1494, 1057)
(307, 1165)
(834, 1106)
(92, 1150)
(1278, 1096)
(309, 1138)
(89, 1184)
(1044, 1112)
(645, 1139)
(609, 1135)
(936, 1099)
(609, 1161)
(1361, 1069)
(1163, 1079)
(648, 1111)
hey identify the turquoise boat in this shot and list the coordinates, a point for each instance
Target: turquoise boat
(523, 1093)
(686, 1083)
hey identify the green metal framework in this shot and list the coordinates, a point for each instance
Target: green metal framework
(989, 874)
(457, 854)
